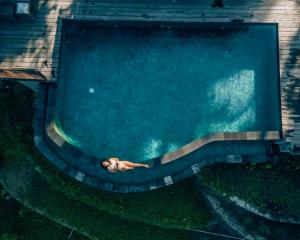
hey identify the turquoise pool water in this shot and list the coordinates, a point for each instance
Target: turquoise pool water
(137, 93)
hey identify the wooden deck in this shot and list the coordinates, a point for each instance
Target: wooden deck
(36, 45)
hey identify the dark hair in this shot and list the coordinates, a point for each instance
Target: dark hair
(101, 162)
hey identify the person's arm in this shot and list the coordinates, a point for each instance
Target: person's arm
(113, 167)
(114, 170)
(113, 158)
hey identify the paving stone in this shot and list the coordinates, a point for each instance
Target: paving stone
(59, 141)
(168, 180)
(195, 168)
(271, 135)
(234, 136)
(37, 140)
(190, 147)
(219, 137)
(80, 176)
(227, 136)
(251, 136)
(243, 136)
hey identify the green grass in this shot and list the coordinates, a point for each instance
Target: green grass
(25, 184)
(176, 206)
(274, 189)
(18, 222)
(257, 227)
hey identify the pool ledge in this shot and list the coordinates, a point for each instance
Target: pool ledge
(224, 136)
(53, 133)
(165, 170)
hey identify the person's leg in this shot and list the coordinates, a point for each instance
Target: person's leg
(131, 164)
(128, 168)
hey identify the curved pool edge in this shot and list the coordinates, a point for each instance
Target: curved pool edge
(54, 134)
(223, 136)
(85, 168)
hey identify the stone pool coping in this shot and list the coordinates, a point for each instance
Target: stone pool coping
(86, 169)
(55, 136)
(224, 136)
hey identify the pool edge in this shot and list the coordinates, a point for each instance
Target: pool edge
(107, 180)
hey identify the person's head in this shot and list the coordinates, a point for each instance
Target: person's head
(105, 164)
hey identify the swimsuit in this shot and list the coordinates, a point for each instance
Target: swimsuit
(113, 166)
(121, 166)
(116, 165)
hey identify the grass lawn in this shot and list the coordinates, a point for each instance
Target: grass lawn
(26, 185)
(18, 222)
(275, 189)
(176, 206)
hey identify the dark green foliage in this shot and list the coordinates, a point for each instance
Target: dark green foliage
(15, 126)
(275, 189)
(258, 227)
(15, 142)
(9, 211)
(8, 236)
(174, 206)
(17, 222)
(26, 185)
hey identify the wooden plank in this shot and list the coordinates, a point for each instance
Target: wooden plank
(34, 65)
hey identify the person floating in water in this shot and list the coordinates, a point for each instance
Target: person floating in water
(115, 164)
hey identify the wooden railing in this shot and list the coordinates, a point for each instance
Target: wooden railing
(21, 75)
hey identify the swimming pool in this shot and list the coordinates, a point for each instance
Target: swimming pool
(138, 91)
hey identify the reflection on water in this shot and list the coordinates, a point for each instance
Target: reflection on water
(58, 128)
(235, 94)
(152, 148)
